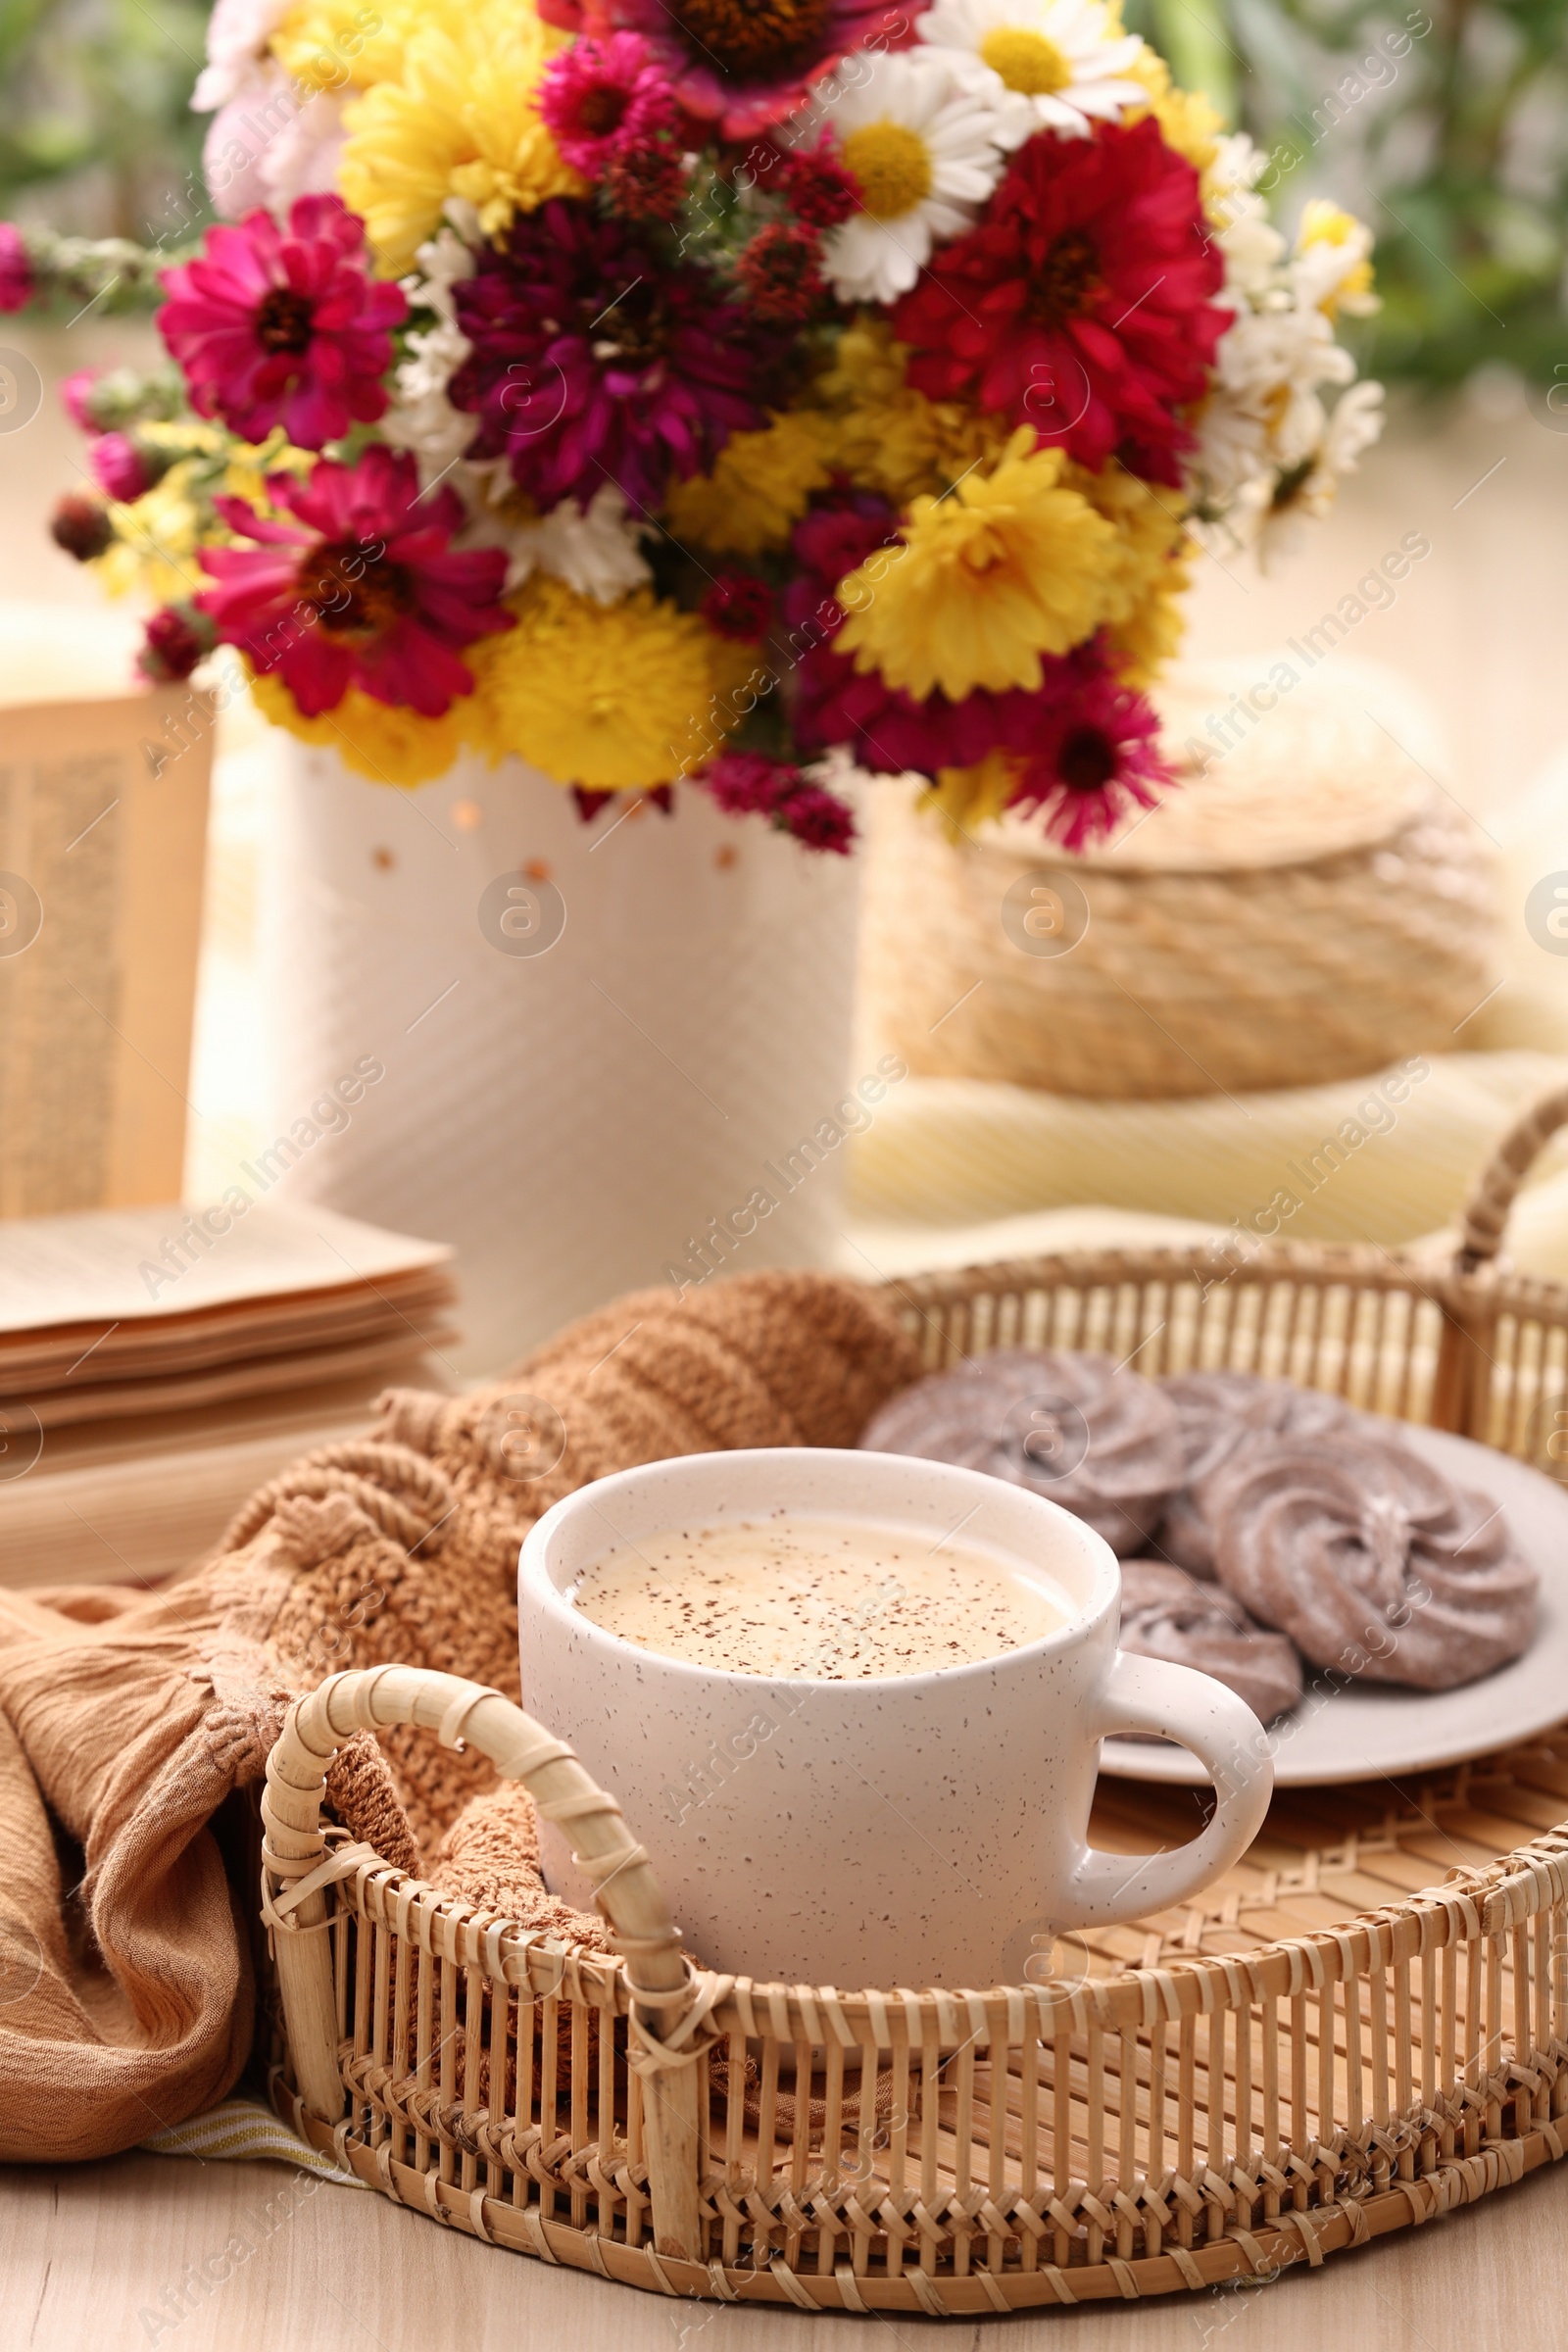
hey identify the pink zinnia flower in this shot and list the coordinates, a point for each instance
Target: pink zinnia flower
(738, 66)
(595, 357)
(285, 326)
(600, 98)
(362, 588)
(16, 284)
(1088, 753)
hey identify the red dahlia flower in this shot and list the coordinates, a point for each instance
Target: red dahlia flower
(1080, 303)
(596, 359)
(285, 326)
(738, 66)
(362, 588)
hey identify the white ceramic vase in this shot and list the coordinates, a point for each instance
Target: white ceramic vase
(594, 1037)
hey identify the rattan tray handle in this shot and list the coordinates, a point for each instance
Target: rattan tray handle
(1487, 1214)
(298, 1869)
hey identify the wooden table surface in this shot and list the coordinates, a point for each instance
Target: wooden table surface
(93, 2257)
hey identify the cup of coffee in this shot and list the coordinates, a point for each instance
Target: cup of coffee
(852, 1703)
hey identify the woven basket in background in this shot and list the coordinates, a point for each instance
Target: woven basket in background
(1314, 905)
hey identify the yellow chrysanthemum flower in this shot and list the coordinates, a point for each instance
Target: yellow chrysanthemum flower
(889, 437)
(758, 489)
(1143, 644)
(966, 797)
(1187, 123)
(613, 697)
(461, 121)
(389, 745)
(1011, 564)
(344, 44)
(1144, 582)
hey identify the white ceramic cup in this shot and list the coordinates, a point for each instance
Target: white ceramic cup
(902, 1829)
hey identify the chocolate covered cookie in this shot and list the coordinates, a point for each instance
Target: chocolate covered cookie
(1218, 1411)
(1167, 1614)
(1372, 1561)
(1105, 1444)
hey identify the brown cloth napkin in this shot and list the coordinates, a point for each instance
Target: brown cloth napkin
(128, 1722)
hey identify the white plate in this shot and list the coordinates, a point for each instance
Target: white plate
(1368, 1728)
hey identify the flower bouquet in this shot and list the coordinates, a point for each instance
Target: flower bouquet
(719, 396)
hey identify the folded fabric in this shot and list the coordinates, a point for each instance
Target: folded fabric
(1384, 1159)
(129, 1722)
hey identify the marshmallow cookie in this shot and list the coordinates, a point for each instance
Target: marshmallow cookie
(1371, 1560)
(1105, 1444)
(1166, 1614)
(1218, 1411)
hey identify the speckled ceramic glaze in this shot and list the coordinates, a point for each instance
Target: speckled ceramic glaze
(907, 1829)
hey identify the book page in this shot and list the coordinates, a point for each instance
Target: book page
(103, 824)
(150, 1265)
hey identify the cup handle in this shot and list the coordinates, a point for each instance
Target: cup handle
(1152, 1694)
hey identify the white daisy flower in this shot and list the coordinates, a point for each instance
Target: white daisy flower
(1051, 65)
(925, 155)
(1280, 509)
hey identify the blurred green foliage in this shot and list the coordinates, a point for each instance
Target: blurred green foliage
(96, 134)
(1443, 124)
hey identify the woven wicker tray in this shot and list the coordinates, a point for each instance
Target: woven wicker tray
(1363, 2026)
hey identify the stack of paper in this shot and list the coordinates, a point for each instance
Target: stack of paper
(143, 1311)
(157, 1363)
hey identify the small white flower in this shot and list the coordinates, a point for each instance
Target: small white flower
(1052, 65)
(1332, 270)
(1271, 364)
(237, 35)
(1252, 251)
(1280, 510)
(421, 418)
(925, 154)
(597, 551)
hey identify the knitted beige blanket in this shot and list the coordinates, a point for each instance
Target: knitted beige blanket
(131, 1725)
